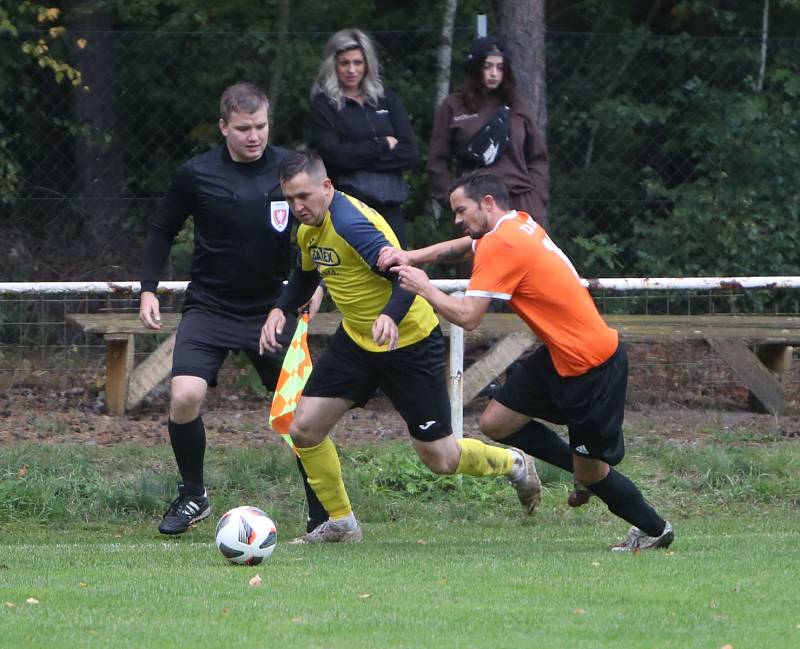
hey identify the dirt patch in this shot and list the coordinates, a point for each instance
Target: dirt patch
(233, 420)
(680, 392)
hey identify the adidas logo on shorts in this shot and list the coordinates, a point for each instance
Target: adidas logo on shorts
(581, 450)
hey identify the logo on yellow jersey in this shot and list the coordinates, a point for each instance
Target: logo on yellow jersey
(324, 256)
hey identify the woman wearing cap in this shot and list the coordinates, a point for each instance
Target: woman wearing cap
(473, 129)
(361, 129)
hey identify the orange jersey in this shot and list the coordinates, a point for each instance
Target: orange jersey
(518, 262)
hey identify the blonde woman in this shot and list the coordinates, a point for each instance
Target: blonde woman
(361, 129)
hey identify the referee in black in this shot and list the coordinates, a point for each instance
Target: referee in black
(242, 253)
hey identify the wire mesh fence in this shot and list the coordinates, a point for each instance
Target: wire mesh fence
(668, 156)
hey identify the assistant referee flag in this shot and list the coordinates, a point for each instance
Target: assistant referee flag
(294, 374)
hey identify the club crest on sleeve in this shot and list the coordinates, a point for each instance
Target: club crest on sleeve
(279, 215)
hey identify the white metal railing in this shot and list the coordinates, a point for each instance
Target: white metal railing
(447, 285)
(456, 286)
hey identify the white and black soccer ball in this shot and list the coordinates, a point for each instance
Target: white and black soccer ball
(246, 535)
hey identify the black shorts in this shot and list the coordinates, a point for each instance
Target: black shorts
(205, 337)
(413, 377)
(591, 405)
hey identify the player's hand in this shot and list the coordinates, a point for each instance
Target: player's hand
(384, 330)
(273, 327)
(389, 257)
(412, 279)
(149, 310)
(313, 304)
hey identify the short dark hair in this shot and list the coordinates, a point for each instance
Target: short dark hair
(299, 161)
(481, 182)
(241, 97)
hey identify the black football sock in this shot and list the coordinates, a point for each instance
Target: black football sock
(541, 442)
(316, 512)
(626, 501)
(189, 445)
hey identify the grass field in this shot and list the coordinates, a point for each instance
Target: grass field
(445, 563)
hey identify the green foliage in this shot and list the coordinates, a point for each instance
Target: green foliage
(673, 154)
(726, 473)
(386, 481)
(18, 51)
(600, 251)
(9, 168)
(666, 158)
(180, 258)
(737, 213)
(249, 380)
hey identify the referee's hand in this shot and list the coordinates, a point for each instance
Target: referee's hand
(149, 310)
(273, 327)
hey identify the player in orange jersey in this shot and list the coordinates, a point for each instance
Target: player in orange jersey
(577, 377)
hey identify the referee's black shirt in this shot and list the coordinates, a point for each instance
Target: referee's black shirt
(241, 254)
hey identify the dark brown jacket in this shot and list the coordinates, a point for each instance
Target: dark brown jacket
(523, 166)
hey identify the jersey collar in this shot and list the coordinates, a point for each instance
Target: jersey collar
(508, 216)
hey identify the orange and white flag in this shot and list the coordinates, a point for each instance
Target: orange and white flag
(294, 374)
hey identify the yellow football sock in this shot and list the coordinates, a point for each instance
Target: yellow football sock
(321, 463)
(480, 459)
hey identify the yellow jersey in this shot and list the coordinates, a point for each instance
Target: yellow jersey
(344, 248)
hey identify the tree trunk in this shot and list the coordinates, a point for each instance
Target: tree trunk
(444, 58)
(280, 56)
(99, 162)
(522, 23)
(762, 66)
(444, 55)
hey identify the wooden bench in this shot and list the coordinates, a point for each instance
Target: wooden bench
(757, 348)
(127, 385)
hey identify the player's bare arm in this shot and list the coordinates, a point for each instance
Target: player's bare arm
(445, 251)
(467, 312)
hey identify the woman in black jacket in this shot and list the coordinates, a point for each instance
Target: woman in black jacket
(361, 129)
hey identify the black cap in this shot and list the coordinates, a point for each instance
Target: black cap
(484, 46)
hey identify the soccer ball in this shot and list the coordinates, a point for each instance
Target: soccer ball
(246, 535)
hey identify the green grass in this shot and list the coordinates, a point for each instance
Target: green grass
(445, 562)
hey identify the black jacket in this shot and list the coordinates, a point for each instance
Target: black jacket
(355, 137)
(242, 231)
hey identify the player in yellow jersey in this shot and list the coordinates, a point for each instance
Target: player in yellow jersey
(389, 339)
(577, 377)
